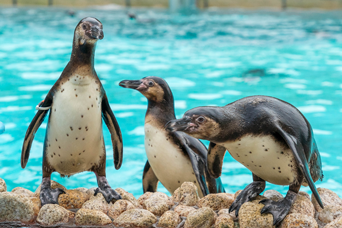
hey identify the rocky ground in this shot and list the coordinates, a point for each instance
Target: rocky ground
(80, 208)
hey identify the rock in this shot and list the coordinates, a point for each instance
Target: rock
(216, 201)
(54, 185)
(337, 223)
(273, 195)
(158, 203)
(237, 193)
(330, 213)
(97, 203)
(23, 192)
(128, 196)
(91, 191)
(298, 220)
(52, 214)
(14, 207)
(226, 211)
(144, 197)
(72, 199)
(169, 219)
(328, 197)
(183, 211)
(36, 204)
(186, 194)
(201, 218)
(81, 189)
(120, 206)
(304, 194)
(91, 217)
(3, 187)
(250, 217)
(136, 218)
(303, 205)
(224, 221)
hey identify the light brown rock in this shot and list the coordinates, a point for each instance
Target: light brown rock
(3, 186)
(14, 207)
(169, 219)
(36, 204)
(328, 197)
(226, 211)
(144, 197)
(303, 205)
(135, 218)
(128, 196)
(81, 189)
(216, 201)
(91, 217)
(23, 192)
(91, 191)
(250, 216)
(330, 213)
(237, 193)
(304, 194)
(273, 195)
(337, 223)
(97, 203)
(201, 218)
(158, 203)
(183, 211)
(224, 221)
(54, 185)
(298, 220)
(120, 206)
(52, 214)
(186, 194)
(72, 199)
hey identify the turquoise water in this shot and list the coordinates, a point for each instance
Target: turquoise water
(210, 58)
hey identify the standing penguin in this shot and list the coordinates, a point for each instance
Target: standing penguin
(74, 139)
(270, 137)
(173, 158)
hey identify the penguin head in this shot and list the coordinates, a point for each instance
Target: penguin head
(89, 30)
(153, 88)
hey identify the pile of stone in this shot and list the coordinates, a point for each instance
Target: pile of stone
(79, 207)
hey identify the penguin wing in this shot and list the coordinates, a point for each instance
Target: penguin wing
(150, 180)
(298, 152)
(215, 159)
(115, 132)
(33, 127)
(197, 153)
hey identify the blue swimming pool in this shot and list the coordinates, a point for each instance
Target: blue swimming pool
(209, 58)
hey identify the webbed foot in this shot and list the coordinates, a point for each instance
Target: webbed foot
(49, 195)
(108, 193)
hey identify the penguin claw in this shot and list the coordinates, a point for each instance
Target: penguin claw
(109, 194)
(50, 196)
(278, 209)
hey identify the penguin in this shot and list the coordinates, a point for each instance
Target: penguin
(74, 139)
(173, 158)
(270, 137)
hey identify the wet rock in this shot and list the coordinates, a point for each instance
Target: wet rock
(3, 187)
(54, 185)
(328, 197)
(52, 214)
(97, 203)
(216, 201)
(158, 203)
(128, 196)
(91, 217)
(81, 189)
(298, 220)
(169, 219)
(201, 218)
(250, 216)
(273, 195)
(120, 206)
(183, 211)
(72, 199)
(186, 194)
(23, 192)
(14, 207)
(337, 223)
(330, 213)
(303, 205)
(136, 218)
(224, 221)
(304, 194)
(144, 197)
(91, 191)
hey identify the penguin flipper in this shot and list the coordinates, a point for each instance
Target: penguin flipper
(298, 152)
(32, 129)
(115, 132)
(197, 153)
(215, 159)
(150, 180)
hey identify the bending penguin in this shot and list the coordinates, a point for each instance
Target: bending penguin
(173, 158)
(74, 138)
(270, 137)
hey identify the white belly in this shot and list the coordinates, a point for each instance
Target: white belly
(167, 160)
(74, 138)
(265, 158)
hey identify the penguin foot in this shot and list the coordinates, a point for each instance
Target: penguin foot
(50, 196)
(109, 194)
(250, 192)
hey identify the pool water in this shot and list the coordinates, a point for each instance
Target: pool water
(209, 58)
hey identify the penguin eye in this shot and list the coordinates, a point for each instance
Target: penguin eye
(84, 27)
(150, 83)
(200, 119)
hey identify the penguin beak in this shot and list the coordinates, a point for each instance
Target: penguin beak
(179, 125)
(133, 84)
(96, 33)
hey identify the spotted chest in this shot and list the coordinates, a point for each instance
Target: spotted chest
(265, 157)
(74, 140)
